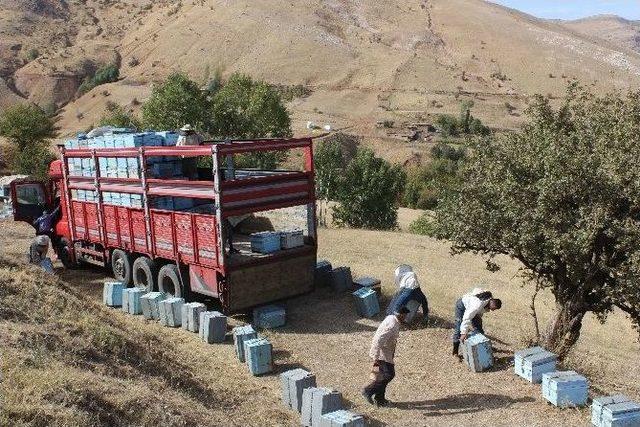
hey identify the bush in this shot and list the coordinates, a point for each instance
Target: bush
(330, 163)
(33, 160)
(33, 54)
(369, 194)
(107, 74)
(424, 225)
(448, 125)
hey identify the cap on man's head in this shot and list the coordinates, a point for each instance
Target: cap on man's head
(403, 310)
(496, 303)
(186, 128)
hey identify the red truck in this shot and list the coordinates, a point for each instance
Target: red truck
(178, 252)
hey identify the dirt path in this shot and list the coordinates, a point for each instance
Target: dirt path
(324, 335)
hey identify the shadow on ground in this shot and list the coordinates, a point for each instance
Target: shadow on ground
(466, 403)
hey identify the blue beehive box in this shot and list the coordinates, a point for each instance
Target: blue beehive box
(317, 401)
(477, 352)
(191, 316)
(341, 279)
(131, 300)
(341, 418)
(625, 414)
(240, 335)
(136, 200)
(213, 327)
(170, 311)
(531, 363)
(367, 302)
(269, 316)
(565, 388)
(292, 384)
(258, 352)
(265, 242)
(614, 411)
(182, 203)
(112, 294)
(150, 303)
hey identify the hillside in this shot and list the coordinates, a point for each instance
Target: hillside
(68, 360)
(364, 60)
(614, 29)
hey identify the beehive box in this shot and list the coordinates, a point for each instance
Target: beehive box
(369, 282)
(213, 327)
(477, 352)
(191, 316)
(112, 294)
(565, 388)
(292, 384)
(366, 302)
(614, 411)
(131, 300)
(291, 239)
(269, 316)
(323, 273)
(258, 352)
(531, 363)
(150, 303)
(341, 418)
(170, 311)
(265, 242)
(240, 335)
(341, 279)
(317, 401)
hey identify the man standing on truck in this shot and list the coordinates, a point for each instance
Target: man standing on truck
(383, 349)
(189, 137)
(468, 315)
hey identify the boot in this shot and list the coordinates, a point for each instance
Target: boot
(456, 351)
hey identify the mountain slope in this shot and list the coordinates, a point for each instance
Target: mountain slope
(614, 29)
(363, 59)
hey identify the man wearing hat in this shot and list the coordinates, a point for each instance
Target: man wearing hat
(38, 253)
(188, 136)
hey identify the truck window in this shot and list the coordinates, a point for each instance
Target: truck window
(30, 194)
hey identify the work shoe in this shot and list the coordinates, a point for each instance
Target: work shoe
(382, 402)
(368, 397)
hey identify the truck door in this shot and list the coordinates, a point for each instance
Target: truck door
(30, 199)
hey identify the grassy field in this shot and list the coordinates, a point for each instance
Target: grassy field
(70, 361)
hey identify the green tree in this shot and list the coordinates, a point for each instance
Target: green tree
(117, 116)
(329, 165)
(246, 109)
(107, 74)
(175, 102)
(562, 196)
(370, 191)
(29, 131)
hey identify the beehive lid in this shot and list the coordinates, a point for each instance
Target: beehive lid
(608, 400)
(566, 379)
(367, 281)
(617, 409)
(540, 358)
(477, 339)
(528, 352)
(363, 292)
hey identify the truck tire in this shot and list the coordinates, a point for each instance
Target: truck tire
(121, 266)
(144, 273)
(64, 252)
(169, 281)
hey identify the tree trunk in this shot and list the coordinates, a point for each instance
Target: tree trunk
(564, 329)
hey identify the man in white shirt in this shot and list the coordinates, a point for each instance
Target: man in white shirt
(383, 349)
(468, 315)
(189, 137)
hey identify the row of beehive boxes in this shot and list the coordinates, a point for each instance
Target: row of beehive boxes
(267, 242)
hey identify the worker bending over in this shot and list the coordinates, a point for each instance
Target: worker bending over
(468, 315)
(409, 295)
(383, 349)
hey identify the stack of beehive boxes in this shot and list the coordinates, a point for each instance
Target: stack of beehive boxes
(533, 362)
(615, 411)
(122, 167)
(477, 352)
(565, 388)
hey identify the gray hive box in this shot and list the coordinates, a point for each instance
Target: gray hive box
(213, 327)
(150, 303)
(131, 300)
(191, 316)
(341, 418)
(171, 312)
(240, 335)
(112, 294)
(292, 384)
(532, 363)
(341, 279)
(317, 401)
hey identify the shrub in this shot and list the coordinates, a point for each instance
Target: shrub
(329, 164)
(107, 74)
(369, 194)
(33, 54)
(118, 117)
(424, 225)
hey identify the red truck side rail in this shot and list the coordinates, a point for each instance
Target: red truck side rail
(194, 241)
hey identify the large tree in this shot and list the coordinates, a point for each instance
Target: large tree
(562, 196)
(175, 102)
(245, 109)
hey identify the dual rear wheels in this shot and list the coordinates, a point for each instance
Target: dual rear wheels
(146, 274)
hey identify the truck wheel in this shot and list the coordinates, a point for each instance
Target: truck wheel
(121, 265)
(169, 281)
(64, 252)
(144, 273)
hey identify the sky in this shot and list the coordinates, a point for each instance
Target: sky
(574, 9)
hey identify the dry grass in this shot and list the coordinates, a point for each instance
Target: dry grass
(128, 369)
